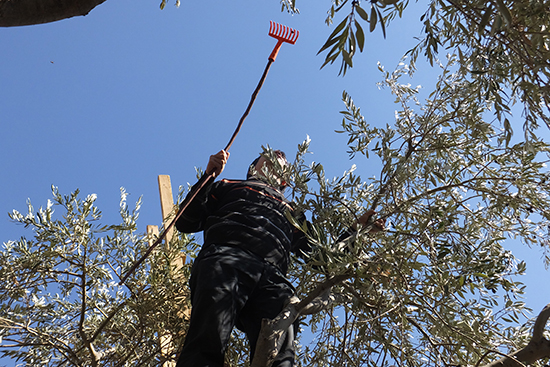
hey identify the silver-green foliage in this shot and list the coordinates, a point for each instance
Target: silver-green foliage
(503, 46)
(438, 287)
(60, 301)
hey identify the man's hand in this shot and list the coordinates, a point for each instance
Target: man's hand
(365, 219)
(217, 162)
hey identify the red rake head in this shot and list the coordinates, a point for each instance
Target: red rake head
(283, 34)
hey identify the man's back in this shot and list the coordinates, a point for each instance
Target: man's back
(249, 214)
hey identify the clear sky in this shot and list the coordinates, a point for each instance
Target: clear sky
(128, 92)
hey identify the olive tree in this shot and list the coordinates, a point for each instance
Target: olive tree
(454, 184)
(438, 286)
(60, 298)
(503, 46)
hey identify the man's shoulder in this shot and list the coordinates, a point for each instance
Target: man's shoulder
(240, 182)
(227, 184)
(230, 181)
(254, 185)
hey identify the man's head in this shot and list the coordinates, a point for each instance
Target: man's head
(263, 164)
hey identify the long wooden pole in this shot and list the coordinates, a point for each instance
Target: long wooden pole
(203, 181)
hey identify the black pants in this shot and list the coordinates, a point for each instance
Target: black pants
(230, 287)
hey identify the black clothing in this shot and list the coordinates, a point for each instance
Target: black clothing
(238, 277)
(248, 214)
(232, 287)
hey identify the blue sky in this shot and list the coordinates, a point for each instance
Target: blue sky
(129, 92)
(115, 98)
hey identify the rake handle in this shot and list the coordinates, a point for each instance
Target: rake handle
(252, 99)
(204, 180)
(276, 49)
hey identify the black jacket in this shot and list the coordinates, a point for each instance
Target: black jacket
(249, 214)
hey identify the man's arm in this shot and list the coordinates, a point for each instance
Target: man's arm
(192, 219)
(364, 220)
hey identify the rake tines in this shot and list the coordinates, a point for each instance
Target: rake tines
(283, 34)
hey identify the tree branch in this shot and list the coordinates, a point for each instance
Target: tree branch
(95, 356)
(48, 339)
(106, 321)
(273, 331)
(27, 12)
(537, 348)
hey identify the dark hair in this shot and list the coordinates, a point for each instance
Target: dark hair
(278, 153)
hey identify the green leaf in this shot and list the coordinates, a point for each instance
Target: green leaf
(485, 20)
(332, 39)
(360, 35)
(330, 59)
(505, 12)
(329, 43)
(373, 18)
(382, 23)
(497, 24)
(352, 43)
(338, 28)
(347, 58)
(508, 131)
(362, 13)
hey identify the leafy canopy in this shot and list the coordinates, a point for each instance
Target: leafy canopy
(60, 301)
(502, 46)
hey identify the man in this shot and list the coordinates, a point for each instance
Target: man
(238, 278)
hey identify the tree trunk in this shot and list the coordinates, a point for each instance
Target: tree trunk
(27, 12)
